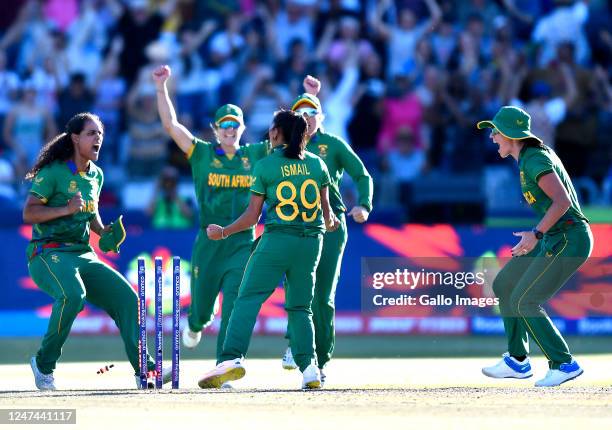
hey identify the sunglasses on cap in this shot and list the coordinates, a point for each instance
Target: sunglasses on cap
(228, 124)
(308, 111)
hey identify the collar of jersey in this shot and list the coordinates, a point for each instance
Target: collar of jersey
(279, 147)
(74, 169)
(220, 152)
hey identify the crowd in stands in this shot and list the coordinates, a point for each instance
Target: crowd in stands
(403, 81)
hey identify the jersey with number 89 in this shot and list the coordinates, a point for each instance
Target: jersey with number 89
(291, 188)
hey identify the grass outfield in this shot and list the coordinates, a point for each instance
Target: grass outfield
(105, 349)
(363, 393)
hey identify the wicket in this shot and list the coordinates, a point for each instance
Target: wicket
(142, 322)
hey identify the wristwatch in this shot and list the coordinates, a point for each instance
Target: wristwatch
(538, 234)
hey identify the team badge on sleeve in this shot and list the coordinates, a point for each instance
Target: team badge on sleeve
(322, 151)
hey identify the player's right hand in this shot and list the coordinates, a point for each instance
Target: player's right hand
(332, 223)
(161, 74)
(311, 85)
(76, 203)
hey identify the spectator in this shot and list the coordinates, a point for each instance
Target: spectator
(564, 24)
(147, 146)
(9, 84)
(402, 166)
(402, 40)
(26, 128)
(401, 108)
(137, 27)
(110, 90)
(75, 99)
(167, 209)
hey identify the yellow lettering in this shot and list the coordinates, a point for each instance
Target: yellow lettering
(529, 197)
(293, 169)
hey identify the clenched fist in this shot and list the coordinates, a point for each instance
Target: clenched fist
(76, 203)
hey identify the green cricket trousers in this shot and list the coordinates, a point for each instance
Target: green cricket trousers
(217, 266)
(278, 254)
(71, 278)
(527, 282)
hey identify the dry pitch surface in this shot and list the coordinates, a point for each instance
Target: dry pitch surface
(364, 393)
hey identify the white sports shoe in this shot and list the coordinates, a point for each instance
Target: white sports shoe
(311, 378)
(191, 338)
(43, 382)
(555, 377)
(229, 370)
(288, 361)
(509, 367)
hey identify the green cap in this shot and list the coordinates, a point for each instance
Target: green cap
(512, 122)
(308, 99)
(228, 112)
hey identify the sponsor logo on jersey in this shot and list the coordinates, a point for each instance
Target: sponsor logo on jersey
(246, 163)
(322, 151)
(55, 258)
(196, 271)
(38, 180)
(216, 163)
(72, 188)
(523, 182)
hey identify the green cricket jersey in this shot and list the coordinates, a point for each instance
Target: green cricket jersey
(222, 182)
(338, 157)
(292, 191)
(55, 185)
(535, 162)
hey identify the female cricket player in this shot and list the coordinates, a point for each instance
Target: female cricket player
(294, 185)
(338, 157)
(544, 258)
(63, 208)
(222, 175)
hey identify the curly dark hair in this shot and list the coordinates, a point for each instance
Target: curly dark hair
(61, 146)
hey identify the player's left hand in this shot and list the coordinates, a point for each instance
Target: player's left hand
(526, 244)
(112, 236)
(359, 214)
(214, 232)
(311, 85)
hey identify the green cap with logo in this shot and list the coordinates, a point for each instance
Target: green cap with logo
(512, 122)
(228, 112)
(308, 99)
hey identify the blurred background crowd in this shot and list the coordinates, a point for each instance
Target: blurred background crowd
(403, 82)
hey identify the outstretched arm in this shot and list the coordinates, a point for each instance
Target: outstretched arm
(178, 132)
(247, 220)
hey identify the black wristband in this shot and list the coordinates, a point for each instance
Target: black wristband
(538, 234)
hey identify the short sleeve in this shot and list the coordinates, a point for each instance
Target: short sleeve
(258, 186)
(43, 184)
(538, 165)
(197, 151)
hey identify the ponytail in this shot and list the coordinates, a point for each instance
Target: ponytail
(61, 146)
(293, 128)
